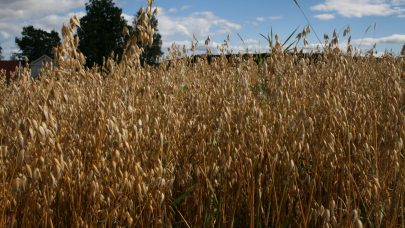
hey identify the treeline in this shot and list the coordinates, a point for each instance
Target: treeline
(103, 33)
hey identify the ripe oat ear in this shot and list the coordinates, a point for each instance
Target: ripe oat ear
(125, 30)
(208, 40)
(156, 11)
(286, 138)
(346, 31)
(74, 21)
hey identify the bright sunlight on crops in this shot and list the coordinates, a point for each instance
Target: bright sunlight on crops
(286, 140)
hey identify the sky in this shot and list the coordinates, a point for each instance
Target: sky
(380, 22)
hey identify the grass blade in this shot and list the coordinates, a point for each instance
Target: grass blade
(289, 37)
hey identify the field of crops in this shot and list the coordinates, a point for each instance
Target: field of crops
(284, 141)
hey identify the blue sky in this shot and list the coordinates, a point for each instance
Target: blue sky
(180, 19)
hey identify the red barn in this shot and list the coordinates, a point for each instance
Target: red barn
(10, 67)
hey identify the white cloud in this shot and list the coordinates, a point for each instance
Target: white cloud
(55, 22)
(13, 28)
(260, 19)
(129, 18)
(263, 19)
(392, 39)
(4, 35)
(45, 14)
(172, 10)
(176, 10)
(185, 7)
(325, 16)
(271, 18)
(361, 8)
(197, 23)
(274, 18)
(28, 9)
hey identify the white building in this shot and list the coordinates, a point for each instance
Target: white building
(39, 63)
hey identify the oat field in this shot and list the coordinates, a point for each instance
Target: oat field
(286, 142)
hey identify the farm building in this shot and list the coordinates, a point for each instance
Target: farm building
(37, 64)
(11, 68)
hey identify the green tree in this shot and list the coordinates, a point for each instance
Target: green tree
(101, 31)
(150, 54)
(36, 42)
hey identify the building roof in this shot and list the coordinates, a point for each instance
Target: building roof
(40, 60)
(9, 66)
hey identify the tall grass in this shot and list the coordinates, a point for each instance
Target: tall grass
(288, 142)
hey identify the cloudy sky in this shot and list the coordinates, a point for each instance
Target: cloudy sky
(380, 22)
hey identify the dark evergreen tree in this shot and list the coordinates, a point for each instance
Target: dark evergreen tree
(36, 42)
(151, 54)
(101, 31)
(1, 56)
